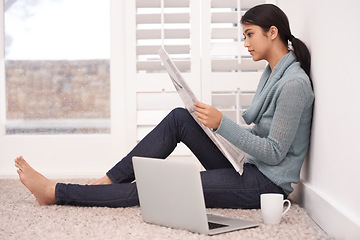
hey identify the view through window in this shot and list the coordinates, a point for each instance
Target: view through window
(57, 66)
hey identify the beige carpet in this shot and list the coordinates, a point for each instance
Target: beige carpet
(22, 218)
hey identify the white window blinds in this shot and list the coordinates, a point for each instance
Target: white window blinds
(205, 41)
(227, 65)
(162, 23)
(168, 23)
(227, 49)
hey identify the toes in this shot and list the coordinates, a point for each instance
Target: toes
(17, 164)
(20, 163)
(20, 159)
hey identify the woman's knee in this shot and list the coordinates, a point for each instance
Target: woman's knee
(180, 114)
(179, 110)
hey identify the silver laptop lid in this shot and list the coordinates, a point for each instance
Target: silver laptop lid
(170, 194)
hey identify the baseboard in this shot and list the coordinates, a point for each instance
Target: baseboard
(336, 221)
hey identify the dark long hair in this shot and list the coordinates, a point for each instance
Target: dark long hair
(267, 15)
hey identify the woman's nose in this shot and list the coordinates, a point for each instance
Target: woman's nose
(246, 43)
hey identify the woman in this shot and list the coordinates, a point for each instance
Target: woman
(276, 146)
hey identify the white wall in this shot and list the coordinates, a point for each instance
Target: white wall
(330, 179)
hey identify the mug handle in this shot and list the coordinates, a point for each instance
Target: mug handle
(288, 207)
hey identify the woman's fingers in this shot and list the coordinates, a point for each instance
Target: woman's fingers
(208, 115)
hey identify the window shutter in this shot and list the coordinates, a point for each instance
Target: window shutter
(227, 65)
(171, 24)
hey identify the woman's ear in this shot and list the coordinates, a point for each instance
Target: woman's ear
(273, 32)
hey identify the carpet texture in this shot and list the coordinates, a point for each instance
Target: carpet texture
(22, 218)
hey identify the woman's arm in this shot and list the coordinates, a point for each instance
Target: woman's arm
(273, 148)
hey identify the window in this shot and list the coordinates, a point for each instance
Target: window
(57, 66)
(82, 154)
(139, 92)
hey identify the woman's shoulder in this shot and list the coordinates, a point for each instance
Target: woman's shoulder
(297, 76)
(295, 82)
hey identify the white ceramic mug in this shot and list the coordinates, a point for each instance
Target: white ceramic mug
(272, 205)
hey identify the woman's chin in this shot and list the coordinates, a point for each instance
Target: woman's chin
(256, 59)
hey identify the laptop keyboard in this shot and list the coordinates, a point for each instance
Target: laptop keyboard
(213, 225)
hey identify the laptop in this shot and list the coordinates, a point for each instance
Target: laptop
(170, 194)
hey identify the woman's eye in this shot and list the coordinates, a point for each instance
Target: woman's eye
(247, 35)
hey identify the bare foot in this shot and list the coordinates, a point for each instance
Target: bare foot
(42, 188)
(103, 180)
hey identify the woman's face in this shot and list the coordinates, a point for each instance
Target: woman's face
(256, 41)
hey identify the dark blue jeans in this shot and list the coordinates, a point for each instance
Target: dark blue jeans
(223, 187)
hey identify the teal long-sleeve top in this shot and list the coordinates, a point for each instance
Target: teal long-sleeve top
(281, 112)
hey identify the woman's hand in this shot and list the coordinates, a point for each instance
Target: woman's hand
(208, 115)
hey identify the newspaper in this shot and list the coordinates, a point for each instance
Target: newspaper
(235, 155)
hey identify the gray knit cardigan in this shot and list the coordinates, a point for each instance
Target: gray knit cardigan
(281, 112)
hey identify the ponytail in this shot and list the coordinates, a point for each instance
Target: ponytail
(302, 54)
(267, 15)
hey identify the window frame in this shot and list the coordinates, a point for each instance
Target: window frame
(73, 154)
